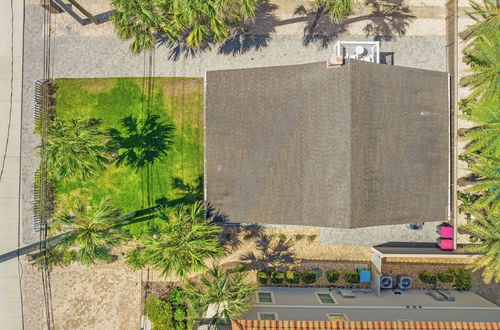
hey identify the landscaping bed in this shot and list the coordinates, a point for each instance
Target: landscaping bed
(414, 270)
(312, 273)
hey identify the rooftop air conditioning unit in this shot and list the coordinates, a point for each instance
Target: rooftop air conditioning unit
(405, 282)
(386, 282)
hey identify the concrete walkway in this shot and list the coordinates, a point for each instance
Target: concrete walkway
(11, 38)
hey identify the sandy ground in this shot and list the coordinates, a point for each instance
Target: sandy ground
(281, 17)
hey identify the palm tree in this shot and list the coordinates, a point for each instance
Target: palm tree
(140, 20)
(91, 231)
(487, 169)
(486, 227)
(486, 137)
(204, 20)
(487, 17)
(223, 294)
(179, 246)
(74, 148)
(337, 9)
(484, 59)
(198, 21)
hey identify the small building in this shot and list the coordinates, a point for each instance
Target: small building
(360, 145)
(324, 304)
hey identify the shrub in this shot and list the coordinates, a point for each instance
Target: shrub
(262, 277)
(311, 238)
(179, 314)
(462, 278)
(445, 277)
(180, 326)
(351, 276)
(308, 277)
(332, 275)
(159, 312)
(177, 296)
(298, 237)
(292, 277)
(473, 239)
(239, 268)
(281, 238)
(277, 277)
(428, 278)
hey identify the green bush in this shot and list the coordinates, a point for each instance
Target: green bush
(332, 275)
(180, 326)
(277, 277)
(179, 314)
(445, 277)
(351, 276)
(281, 238)
(311, 238)
(262, 277)
(428, 278)
(159, 312)
(298, 237)
(462, 279)
(292, 277)
(239, 268)
(177, 296)
(308, 277)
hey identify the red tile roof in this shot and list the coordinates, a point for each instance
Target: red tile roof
(362, 325)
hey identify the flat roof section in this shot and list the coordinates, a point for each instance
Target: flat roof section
(357, 146)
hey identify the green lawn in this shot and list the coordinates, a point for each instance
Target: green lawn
(177, 101)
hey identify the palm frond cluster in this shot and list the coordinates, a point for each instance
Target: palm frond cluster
(482, 153)
(194, 21)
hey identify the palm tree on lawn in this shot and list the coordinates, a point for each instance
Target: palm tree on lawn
(487, 17)
(484, 60)
(486, 137)
(486, 227)
(178, 246)
(92, 231)
(140, 20)
(74, 148)
(488, 183)
(223, 293)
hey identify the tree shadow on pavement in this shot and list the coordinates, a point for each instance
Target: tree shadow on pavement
(254, 35)
(270, 254)
(386, 20)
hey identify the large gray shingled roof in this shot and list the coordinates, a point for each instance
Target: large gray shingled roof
(360, 145)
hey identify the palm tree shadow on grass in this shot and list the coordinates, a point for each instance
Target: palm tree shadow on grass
(141, 142)
(192, 193)
(388, 19)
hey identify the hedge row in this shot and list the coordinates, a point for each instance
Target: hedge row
(305, 277)
(460, 277)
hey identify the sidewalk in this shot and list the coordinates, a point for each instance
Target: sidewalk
(10, 134)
